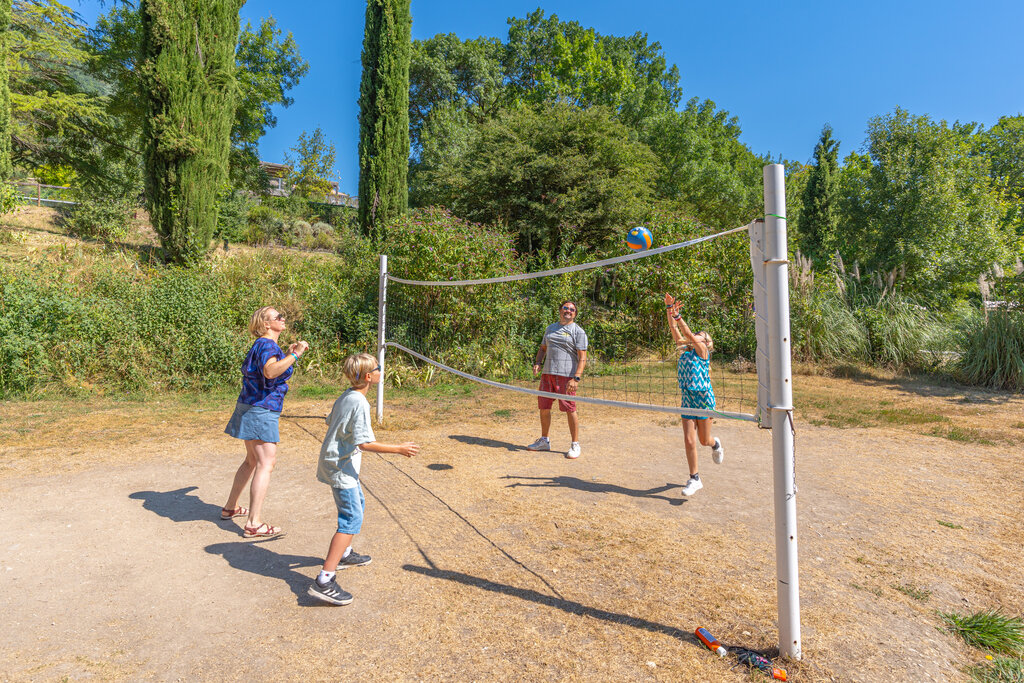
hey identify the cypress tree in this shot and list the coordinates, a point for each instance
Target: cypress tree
(187, 66)
(5, 94)
(819, 222)
(384, 115)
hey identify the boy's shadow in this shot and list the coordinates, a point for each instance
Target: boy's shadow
(178, 505)
(597, 487)
(255, 558)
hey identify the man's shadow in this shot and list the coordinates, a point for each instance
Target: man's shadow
(597, 487)
(257, 559)
(489, 443)
(178, 505)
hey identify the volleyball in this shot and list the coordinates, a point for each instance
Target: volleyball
(639, 238)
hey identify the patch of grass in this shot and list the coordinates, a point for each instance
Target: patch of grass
(873, 591)
(503, 413)
(1018, 425)
(839, 420)
(988, 629)
(919, 594)
(860, 559)
(999, 670)
(435, 391)
(318, 391)
(910, 416)
(950, 525)
(962, 435)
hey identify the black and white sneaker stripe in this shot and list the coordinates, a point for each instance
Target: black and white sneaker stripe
(329, 592)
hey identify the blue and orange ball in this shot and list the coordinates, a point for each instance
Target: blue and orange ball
(639, 238)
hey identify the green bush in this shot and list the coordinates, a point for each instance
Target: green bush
(10, 198)
(101, 217)
(990, 629)
(992, 351)
(233, 209)
(88, 321)
(265, 225)
(824, 328)
(299, 230)
(899, 330)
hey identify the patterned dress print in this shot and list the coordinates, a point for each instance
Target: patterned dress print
(694, 377)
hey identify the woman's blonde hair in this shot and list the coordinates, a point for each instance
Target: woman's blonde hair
(357, 367)
(259, 323)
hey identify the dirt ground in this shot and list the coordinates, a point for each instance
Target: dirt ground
(494, 563)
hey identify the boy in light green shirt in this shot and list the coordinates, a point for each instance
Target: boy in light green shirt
(349, 434)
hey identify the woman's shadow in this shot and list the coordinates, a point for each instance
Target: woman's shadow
(178, 505)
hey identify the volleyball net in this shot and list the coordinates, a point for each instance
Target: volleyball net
(488, 330)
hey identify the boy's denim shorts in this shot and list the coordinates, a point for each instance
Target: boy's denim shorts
(350, 504)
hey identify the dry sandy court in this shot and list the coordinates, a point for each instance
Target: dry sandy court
(492, 563)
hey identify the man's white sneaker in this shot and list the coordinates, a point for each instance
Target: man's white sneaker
(692, 486)
(717, 452)
(541, 444)
(574, 450)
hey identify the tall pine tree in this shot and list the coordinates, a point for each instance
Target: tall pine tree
(384, 115)
(819, 221)
(5, 94)
(188, 81)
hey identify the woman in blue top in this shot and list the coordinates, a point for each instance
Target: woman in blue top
(694, 375)
(265, 374)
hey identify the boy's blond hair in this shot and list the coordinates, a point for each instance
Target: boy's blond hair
(259, 323)
(357, 367)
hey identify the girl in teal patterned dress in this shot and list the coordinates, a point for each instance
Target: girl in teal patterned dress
(694, 377)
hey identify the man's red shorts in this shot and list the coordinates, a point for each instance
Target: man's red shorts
(556, 384)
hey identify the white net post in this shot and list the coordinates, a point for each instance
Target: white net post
(757, 262)
(776, 268)
(382, 304)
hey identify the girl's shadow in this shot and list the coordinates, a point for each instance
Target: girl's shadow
(597, 487)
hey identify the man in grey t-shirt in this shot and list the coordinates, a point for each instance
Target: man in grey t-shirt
(563, 353)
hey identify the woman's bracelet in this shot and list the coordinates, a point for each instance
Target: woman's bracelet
(677, 317)
(296, 357)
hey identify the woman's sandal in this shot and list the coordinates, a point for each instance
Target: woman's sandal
(262, 531)
(227, 513)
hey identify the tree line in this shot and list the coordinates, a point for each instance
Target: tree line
(556, 134)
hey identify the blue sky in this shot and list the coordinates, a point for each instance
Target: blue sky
(783, 68)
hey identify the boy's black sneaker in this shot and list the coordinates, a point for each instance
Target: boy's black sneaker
(354, 559)
(330, 592)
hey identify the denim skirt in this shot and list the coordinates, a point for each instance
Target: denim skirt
(253, 422)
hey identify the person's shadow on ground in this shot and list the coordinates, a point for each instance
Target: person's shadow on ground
(489, 443)
(256, 558)
(596, 487)
(570, 606)
(178, 505)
